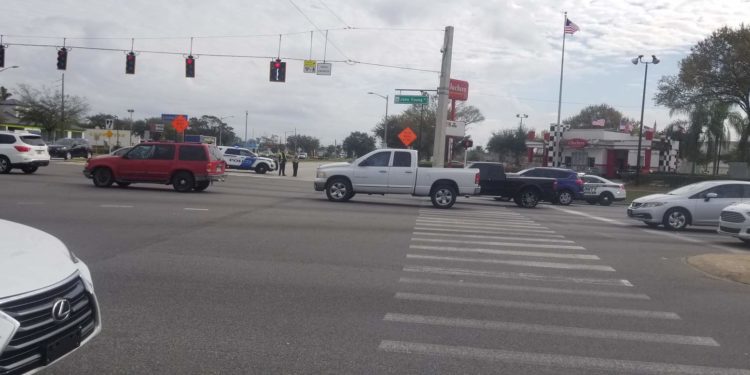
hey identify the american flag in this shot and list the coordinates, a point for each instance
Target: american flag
(599, 122)
(570, 27)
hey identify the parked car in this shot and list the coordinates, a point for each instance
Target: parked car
(69, 148)
(600, 190)
(569, 185)
(185, 166)
(695, 204)
(302, 155)
(525, 191)
(26, 151)
(734, 220)
(48, 307)
(395, 171)
(242, 158)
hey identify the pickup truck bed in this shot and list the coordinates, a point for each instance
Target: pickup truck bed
(525, 191)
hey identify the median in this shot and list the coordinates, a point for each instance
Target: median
(735, 267)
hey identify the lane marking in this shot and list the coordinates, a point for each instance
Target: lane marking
(493, 243)
(604, 219)
(30, 203)
(537, 306)
(517, 275)
(523, 263)
(552, 330)
(486, 227)
(544, 233)
(467, 213)
(506, 252)
(473, 216)
(482, 223)
(195, 209)
(115, 206)
(554, 360)
(453, 235)
(523, 288)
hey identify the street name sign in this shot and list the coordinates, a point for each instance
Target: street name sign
(411, 99)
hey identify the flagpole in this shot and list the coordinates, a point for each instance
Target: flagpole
(562, 64)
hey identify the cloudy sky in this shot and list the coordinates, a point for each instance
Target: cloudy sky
(509, 51)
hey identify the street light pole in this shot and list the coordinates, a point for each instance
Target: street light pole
(385, 124)
(522, 116)
(635, 61)
(130, 138)
(221, 126)
(246, 128)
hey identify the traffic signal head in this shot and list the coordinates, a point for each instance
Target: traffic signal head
(2, 56)
(278, 71)
(130, 63)
(190, 67)
(62, 58)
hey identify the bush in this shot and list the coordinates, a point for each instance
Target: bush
(672, 180)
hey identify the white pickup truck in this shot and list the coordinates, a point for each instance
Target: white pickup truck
(395, 171)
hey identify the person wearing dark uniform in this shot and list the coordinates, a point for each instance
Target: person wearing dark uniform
(295, 164)
(282, 163)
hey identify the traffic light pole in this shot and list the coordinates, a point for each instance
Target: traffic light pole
(62, 108)
(438, 156)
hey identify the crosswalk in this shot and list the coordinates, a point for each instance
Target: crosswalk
(495, 286)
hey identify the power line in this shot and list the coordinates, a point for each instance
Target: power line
(335, 15)
(167, 37)
(318, 28)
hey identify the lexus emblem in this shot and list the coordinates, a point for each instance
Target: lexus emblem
(61, 310)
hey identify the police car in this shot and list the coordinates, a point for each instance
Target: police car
(242, 158)
(600, 190)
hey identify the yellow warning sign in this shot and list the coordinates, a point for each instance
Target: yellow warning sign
(309, 66)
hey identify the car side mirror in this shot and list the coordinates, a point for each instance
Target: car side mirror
(709, 196)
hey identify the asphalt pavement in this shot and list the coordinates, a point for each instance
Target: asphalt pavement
(261, 274)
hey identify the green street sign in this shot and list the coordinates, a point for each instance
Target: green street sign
(411, 99)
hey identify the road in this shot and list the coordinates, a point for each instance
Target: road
(260, 274)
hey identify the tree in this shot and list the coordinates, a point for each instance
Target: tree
(330, 150)
(212, 126)
(509, 144)
(591, 113)
(99, 120)
(478, 154)
(715, 71)
(307, 143)
(44, 108)
(4, 94)
(358, 144)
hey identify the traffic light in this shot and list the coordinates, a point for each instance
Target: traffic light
(190, 67)
(62, 58)
(130, 63)
(468, 143)
(2, 56)
(278, 71)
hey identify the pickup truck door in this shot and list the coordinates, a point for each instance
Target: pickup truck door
(402, 175)
(371, 174)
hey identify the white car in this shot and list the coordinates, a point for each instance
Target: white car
(695, 204)
(600, 190)
(48, 308)
(302, 155)
(26, 151)
(242, 158)
(395, 171)
(735, 221)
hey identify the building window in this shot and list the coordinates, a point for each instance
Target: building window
(592, 162)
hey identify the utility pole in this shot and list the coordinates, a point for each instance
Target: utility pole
(62, 108)
(245, 128)
(130, 136)
(438, 156)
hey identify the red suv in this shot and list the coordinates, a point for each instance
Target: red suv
(186, 166)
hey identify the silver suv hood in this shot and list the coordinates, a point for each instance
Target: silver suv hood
(30, 259)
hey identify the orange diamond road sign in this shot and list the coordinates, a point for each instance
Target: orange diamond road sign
(407, 136)
(180, 123)
(108, 134)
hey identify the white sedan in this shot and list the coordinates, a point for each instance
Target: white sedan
(695, 204)
(600, 190)
(735, 221)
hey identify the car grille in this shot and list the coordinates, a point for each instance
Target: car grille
(729, 230)
(27, 348)
(732, 217)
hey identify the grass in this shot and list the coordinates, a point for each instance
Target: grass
(635, 192)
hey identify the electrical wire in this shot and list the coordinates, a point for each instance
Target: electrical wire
(335, 15)
(319, 30)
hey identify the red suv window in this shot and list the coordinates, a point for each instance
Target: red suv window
(193, 153)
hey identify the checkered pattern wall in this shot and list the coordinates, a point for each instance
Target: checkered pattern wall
(554, 147)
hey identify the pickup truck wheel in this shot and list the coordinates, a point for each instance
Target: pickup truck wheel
(606, 199)
(261, 169)
(103, 177)
(528, 198)
(183, 182)
(443, 196)
(339, 190)
(201, 185)
(565, 197)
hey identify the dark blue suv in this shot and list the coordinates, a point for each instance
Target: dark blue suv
(569, 185)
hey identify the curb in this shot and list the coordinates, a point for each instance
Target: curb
(733, 267)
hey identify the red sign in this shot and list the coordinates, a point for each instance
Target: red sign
(458, 90)
(577, 143)
(180, 123)
(407, 136)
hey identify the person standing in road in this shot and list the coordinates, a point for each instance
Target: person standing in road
(282, 162)
(295, 164)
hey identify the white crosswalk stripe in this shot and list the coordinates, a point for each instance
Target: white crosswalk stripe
(524, 263)
(495, 243)
(505, 252)
(453, 235)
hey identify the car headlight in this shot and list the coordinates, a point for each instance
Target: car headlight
(652, 204)
(321, 174)
(8, 327)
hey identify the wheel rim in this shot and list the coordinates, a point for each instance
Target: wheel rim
(443, 197)
(528, 199)
(68, 156)
(605, 199)
(102, 177)
(3, 164)
(182, 182)
(564, 197)
(677, 219)
(338, 190)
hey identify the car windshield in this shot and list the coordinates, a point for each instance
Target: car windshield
(692, 188)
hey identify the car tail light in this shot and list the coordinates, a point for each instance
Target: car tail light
(23, 148)
(579, 182)
(476, 179)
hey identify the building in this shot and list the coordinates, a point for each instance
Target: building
(10, 121)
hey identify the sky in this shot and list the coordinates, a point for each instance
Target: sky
(508, 51)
